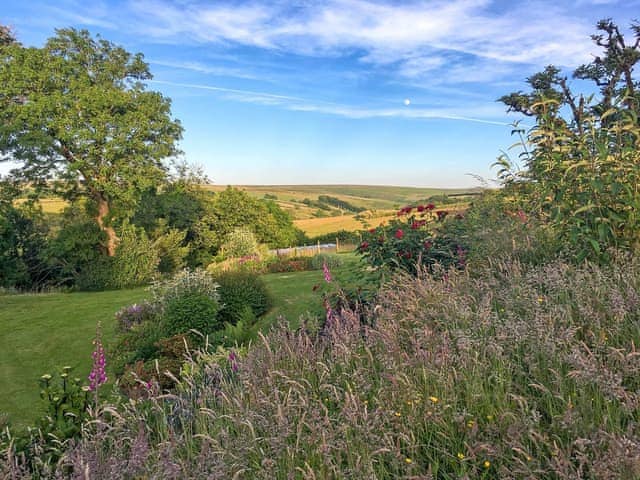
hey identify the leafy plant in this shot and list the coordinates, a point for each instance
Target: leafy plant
(136, 260)
(412, 242)
(239, 290)
(582, 158)
(192, 310)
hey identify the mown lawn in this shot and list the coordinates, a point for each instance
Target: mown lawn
(42, 333)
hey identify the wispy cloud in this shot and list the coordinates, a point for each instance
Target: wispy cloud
(199, 67)
(348, 111)
(384, 32)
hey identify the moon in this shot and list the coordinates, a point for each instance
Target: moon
(407, 102)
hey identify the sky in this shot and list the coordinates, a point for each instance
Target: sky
(337, 91)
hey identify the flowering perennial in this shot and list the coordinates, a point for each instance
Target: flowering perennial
(98, 375)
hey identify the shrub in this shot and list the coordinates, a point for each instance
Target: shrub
(138, 343)
(191, 311)
(171, 250)
(330, 260)
(186, 281)
(239, 290)
(136, 259)
(413, 241)
(241, 242)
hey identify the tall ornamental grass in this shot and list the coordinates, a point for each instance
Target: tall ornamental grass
(518, 372)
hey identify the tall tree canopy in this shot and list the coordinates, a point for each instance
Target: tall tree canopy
(75, 114)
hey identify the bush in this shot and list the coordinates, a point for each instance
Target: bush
(241, 242)
(191, 311)
(331, 260)
(171, 250)
(415, 240)
(239, 290)
(186, 281)
(136, 259)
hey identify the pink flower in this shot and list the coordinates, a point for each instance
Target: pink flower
(327, 273)
(98, 375)
(399, 234)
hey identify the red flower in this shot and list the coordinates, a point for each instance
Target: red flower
(407, 254)
(441, 214)
(459, 216)
(364, 245)
(372, 230)
(415, 226)
(428, 245)
(430, 206)
(399, 234)
(421, 208)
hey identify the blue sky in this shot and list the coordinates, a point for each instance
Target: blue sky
(306, 91)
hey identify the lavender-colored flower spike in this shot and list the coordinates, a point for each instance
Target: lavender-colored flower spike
(327, 273)
(98, 375)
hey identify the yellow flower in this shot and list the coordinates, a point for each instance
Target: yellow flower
(434, 399)
(540, 299)
(489, 417)
(398, 414)
(461, 455)
(528, 458)
(366, 402)
(409, 402)
(486, 464)
(470, 423)
(408, 460)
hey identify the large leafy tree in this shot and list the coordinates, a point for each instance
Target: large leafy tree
(76, 115)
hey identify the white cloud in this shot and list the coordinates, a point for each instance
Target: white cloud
(384, 33)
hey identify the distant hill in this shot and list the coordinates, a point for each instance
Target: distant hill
(369, 197)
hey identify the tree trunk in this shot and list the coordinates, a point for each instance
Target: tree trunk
(103, 212)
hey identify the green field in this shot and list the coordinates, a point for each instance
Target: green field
(42, 333)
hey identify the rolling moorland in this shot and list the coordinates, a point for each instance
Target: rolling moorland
(486, 337)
